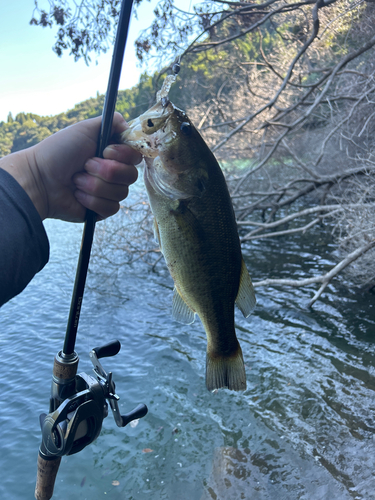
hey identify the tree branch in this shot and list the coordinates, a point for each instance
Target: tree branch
(325, 278)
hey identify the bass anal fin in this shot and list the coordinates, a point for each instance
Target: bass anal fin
(245, 300)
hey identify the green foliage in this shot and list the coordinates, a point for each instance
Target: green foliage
(132, 102)
(28, 134)
(26, 129)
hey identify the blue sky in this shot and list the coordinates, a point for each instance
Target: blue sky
(32, 77)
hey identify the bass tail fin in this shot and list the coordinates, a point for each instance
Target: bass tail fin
(226, 371)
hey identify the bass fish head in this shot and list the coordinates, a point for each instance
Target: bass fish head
(172, 147)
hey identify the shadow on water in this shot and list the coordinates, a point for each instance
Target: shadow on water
(303, 429)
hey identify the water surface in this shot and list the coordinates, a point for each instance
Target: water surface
(303, 429)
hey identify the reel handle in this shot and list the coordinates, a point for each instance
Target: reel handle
(111, 349)
(107, 350)
(138, 412)
(46, 476)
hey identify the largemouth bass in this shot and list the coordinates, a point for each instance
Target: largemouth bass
(197, 233)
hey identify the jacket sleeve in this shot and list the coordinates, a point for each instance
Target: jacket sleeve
(24, 247)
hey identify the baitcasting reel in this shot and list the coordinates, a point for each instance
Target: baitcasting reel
(78, 406)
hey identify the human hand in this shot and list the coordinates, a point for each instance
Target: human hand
(63, 178)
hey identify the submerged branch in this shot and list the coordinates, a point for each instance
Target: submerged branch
(303, 213)
(282, 233)
(325, 278)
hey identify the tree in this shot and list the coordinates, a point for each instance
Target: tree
(282, 89)
(290, 96)
(83, 27)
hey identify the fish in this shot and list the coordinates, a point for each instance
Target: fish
(195, 225)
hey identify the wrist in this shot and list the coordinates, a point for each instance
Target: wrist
(23, 168)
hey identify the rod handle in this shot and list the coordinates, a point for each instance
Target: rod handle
(46, 476)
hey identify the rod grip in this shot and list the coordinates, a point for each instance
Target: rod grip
(46, 476)
(65, 369)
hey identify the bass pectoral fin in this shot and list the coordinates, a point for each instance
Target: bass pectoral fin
(246, 295)
(180, 311)
(156, 233)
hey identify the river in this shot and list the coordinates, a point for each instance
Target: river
(303, 429)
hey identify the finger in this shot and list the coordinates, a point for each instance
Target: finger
(103, 207)
(95, 186)
(122, 153)
(112, 171)
(119, 124)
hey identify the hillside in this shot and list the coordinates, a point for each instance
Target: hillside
(26, 129)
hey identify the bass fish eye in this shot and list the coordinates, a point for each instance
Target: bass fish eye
(185, 128)
(150, 123)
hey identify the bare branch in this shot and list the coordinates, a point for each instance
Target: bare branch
(285, 81)
(324, 279)
(282, 233)
(303, 213)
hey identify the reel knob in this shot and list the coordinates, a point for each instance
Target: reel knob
(138, 412)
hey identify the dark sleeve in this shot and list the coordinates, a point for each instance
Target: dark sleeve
(24, 247)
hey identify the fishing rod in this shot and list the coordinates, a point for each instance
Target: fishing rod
(78, 403)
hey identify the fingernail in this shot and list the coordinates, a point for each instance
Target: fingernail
(112, 152)
(92, 166)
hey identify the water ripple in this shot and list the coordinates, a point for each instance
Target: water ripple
(303, 429)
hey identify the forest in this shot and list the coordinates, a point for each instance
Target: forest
(26, 129)
(282, 91)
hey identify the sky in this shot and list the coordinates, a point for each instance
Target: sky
(34, 79)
